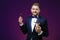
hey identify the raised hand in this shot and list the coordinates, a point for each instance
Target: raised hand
(20, 19)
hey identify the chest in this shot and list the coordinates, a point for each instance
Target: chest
(31, 23)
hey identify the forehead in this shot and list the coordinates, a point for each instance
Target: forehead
(34, 6)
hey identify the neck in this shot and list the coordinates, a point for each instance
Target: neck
(36, 15)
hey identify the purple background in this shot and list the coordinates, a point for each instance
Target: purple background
(12, 9)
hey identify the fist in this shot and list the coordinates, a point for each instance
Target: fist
(20, 19)
(37, 28)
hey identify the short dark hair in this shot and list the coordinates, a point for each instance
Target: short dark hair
(36, 4)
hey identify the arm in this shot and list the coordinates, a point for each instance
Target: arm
(42, 30)
(22, 25)
(45, 29)
(23, 28)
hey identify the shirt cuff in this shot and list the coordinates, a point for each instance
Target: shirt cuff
(21, 24)
(40, 33)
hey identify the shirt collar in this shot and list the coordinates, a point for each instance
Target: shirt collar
(35, 16)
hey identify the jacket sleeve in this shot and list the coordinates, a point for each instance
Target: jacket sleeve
(45, 29)
(24, 28)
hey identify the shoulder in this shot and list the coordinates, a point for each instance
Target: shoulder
(44, 19)
(29, 17)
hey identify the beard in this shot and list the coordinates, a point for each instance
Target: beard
(35, 14)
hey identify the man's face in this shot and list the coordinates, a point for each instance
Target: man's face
(35, 10)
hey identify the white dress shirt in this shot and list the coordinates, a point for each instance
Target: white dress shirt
(33, 23)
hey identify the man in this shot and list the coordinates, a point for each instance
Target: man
(34, 33)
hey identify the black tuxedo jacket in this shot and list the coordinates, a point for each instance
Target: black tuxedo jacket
(26, 28)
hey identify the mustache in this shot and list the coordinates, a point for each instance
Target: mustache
(35, 12)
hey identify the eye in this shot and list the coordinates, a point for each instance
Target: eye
(36, 9)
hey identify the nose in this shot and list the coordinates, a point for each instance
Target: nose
(35, 11)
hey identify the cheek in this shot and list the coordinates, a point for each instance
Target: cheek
(38, 11)
(31, 10)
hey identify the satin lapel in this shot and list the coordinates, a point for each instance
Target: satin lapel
(30, 24)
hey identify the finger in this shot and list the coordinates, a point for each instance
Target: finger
(20, 19)
(20, 16)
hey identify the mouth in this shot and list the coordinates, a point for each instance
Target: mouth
(35, 12)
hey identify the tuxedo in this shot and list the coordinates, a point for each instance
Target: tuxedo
(26, 28)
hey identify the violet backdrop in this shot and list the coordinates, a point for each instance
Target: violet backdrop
(12, 9)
